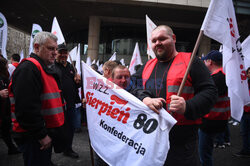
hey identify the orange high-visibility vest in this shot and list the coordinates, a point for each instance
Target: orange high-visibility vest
(52, 106)
(221, 109)
(174, 78)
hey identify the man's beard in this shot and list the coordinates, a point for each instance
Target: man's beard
(162, 56)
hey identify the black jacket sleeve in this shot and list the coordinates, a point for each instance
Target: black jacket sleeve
(137, 85)
(205, 91)
(27, 89)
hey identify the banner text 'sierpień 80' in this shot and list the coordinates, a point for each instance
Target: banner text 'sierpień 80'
(123, 131)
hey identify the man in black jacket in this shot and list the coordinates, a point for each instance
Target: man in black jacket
(70, 84)
(37, 108)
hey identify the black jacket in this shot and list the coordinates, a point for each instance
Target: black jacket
(69, 87)
(27, 89)
(214, 126)
(4, 102)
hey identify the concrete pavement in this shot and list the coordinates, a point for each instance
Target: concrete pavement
(81, 145)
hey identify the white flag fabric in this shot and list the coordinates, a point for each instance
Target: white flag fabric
(221, 49)
(100, 68)
(3, 35)
(78, 67)
(123, 131)
(135, 60)
(94, 61)
(220, 24)
(150, 26)
(35, 29)
(56, 30)
(98, 63)
(113, 57)
(78, 60)
(88, 61)
(21, 56)
(73, 54)
(246, 51)
(122, 62)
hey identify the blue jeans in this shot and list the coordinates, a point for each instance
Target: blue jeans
(33, 156)
(77, 121)
(245, 132)
(206, 145)
(223, 137)
(73, 121)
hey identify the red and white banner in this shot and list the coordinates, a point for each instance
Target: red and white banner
(35, 29)
(150, 26)
(220, 24)
(123, 131)
(56, 30)
(135, 60)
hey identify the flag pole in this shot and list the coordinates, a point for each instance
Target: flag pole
(190, 62)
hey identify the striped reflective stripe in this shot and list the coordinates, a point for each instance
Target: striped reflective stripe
(13, 116)
(226, 98)
(221, 109)
(12, 100)
(175, 88)
(48, 96)
(52, 111)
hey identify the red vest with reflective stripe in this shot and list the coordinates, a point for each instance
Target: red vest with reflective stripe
(247, 107)
(221, 109)
(174, 78)
(52, 106)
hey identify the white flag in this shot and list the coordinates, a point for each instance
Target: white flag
(78, 60)
(100, 69)
(21, 56)
(56, 30)
(221, 49)
(135, 60)
(150, 26)
(220, 24)
(113, 57)
(73, 54)
(123, 131)
(35, 29)
(98, 63)
(88, 61)
(3, 35)
(122, 62)
(246, 51)
(78, 67)
(93, 62)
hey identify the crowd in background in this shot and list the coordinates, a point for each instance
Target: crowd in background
(197, 112)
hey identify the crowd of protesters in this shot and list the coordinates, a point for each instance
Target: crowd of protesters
(40, 95)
